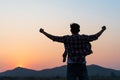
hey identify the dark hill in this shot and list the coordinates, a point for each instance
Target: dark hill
(20, 72)
(101, 71)
(93, 70)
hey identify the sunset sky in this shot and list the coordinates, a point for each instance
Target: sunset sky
(21, 44)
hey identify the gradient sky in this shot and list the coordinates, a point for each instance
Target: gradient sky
(21, 44)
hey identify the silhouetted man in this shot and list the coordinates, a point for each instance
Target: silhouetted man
(74, 46)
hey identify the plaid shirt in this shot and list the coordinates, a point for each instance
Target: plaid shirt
(74, 45)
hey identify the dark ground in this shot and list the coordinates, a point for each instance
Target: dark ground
(57, 78)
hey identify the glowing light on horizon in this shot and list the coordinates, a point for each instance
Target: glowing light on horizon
(20, 65)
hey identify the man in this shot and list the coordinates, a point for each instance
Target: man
(74, 45)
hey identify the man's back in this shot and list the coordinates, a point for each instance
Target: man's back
(78, 47)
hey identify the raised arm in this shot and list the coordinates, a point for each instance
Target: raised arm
(46, 34)
(52, 37)
(97, 35)
(100, 32)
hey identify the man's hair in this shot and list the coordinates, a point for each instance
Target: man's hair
(75, 28)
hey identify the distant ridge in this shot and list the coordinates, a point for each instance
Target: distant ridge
(20, 72)
(93, 70)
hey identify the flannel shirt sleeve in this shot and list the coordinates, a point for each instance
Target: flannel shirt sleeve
(58, 38)
(91, 37)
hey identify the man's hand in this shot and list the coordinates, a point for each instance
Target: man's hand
(104, 28)
(41, 30)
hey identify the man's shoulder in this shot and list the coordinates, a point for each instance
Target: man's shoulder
(67, 35)
(79, 36)
(73, 36)
(84, 35)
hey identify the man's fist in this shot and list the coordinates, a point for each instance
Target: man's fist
(41, 30)
(104, 28)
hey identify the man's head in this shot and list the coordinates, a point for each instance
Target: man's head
(75, 28)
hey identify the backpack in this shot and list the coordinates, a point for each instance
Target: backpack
(87, 48)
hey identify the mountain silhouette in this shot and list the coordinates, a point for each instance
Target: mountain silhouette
(93, 70)
(19, 72)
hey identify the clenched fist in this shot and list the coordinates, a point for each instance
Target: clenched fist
(104, 28)
(41, 30)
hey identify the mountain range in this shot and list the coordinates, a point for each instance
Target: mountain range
(93, 70)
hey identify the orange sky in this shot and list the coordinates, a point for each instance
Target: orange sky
(21, 44)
